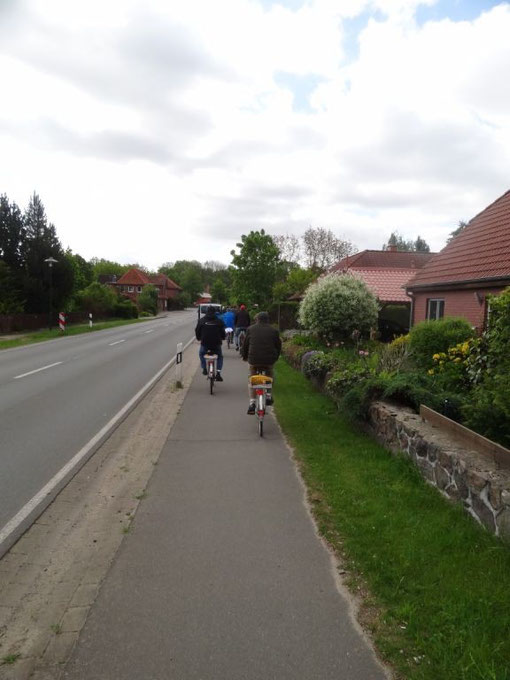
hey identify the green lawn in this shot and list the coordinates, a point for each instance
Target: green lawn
(437, 585)
(40, 336)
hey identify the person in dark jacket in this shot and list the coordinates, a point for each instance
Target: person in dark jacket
(242, 321)
(211, 331)
(261, 349)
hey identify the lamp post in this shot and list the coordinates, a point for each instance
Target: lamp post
(50, 261)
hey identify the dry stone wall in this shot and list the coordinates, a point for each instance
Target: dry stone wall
(461, 474)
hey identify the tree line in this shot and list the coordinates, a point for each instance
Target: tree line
(264, 268)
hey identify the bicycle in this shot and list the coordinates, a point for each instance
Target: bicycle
(210, 366)
(242, 336)
(263, 385)
(229, 333)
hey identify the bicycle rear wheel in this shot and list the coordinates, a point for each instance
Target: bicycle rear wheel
(261, 427)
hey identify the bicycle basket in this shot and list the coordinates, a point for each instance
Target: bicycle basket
(260, 380)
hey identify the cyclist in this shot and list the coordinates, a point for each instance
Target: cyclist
(242, 321)
(229, 318)
(210, 331)
(262, 347)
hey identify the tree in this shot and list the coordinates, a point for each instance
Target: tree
(409, 246)
(40, 243)
(97, 299)
(255, 268)
(10, 299)
(83, 271)
(460, 228)
(219, 292)
(337, 305)
(322, 248)
(102, 267)
(421, 246)
(289, 247)
(148, 299)
(12, 235)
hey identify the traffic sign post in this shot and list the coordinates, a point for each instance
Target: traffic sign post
(178, 366)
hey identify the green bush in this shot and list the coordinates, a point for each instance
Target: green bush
(125, 309)
(318, 365)
(431, 337)
(97, 299)
(342, 380)
(336, 306)
(145, 315)
(356, 401)
(148, 299)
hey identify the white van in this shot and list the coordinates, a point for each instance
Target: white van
(202, 309)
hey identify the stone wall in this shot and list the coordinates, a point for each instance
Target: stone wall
(460, 473)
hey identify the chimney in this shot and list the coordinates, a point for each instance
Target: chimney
(392, 248)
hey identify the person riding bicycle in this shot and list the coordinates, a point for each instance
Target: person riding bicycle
(261, 349)
(229, 318)
(210, 331)
(242, 322)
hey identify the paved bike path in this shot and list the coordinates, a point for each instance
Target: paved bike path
(222, 576)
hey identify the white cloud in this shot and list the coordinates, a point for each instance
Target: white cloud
(156, 131)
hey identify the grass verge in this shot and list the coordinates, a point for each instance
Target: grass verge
(435, 586)
(41, 336)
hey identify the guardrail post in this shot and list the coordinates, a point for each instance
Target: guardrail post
(178, 366)
(90, 320)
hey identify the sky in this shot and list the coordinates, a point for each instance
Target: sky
(160, 130)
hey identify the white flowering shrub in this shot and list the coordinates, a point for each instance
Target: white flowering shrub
(337, 305)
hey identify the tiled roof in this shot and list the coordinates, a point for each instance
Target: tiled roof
(385, 283)
(159, 280)
(393, 259)
(133, 277)
(481, 251)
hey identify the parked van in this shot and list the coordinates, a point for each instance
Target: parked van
(202, 309)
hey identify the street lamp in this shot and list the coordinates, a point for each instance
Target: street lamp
(50, 261)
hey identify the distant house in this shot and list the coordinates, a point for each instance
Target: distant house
(475, 263)
(386, 273)
(132, 283)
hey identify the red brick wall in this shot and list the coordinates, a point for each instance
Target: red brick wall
(456, 303)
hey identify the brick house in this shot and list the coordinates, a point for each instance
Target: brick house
(386, 272)
(475, 263)
(131, 284)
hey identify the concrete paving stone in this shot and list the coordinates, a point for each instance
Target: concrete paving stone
(14, 593)
(28, 574)
(49, 673)
(12, 561)
(20, 670)
(60, 648)
(85, 595)
(6, 614)
(74, 618)
(223, 576)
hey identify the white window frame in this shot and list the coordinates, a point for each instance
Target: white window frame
(130, 289)
(139, 289)
(439, 309)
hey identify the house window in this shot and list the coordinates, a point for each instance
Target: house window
(130, 289)
(435, 308)
(138, 289)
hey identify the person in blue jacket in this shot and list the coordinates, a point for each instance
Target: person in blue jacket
(228, 318)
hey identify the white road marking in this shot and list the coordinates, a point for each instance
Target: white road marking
(72, 466)
(115, 343)
(149, 331)
(43, 368)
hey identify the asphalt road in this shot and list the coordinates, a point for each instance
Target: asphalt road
(55, 396)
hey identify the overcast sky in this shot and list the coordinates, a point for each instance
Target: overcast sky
(157, 130)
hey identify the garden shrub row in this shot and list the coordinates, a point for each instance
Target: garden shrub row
(440, 364)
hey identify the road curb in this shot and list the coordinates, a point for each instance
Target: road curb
(18, 524)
